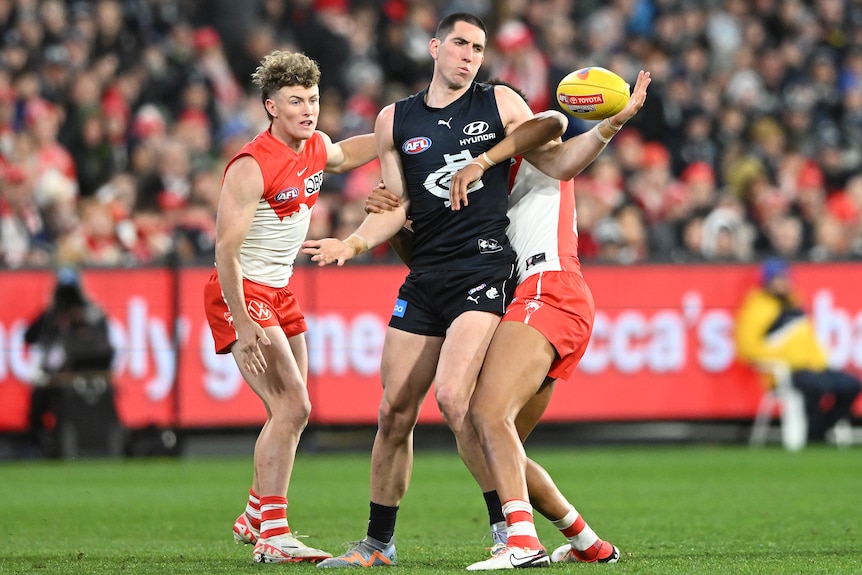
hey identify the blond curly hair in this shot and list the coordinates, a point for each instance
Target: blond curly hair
(281, 68)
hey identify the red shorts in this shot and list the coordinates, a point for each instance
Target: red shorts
(266, 305)
(559, 305)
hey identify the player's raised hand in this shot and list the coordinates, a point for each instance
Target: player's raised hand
(636, 101)
(462, 181)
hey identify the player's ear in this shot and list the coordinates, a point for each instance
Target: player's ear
(269, 104)
(433, 47)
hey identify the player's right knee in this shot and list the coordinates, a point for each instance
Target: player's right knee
(396, 423)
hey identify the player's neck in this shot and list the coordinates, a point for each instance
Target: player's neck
(440, 95)
(295, 144)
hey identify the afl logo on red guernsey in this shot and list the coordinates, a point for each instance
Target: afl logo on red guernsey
(416, 145)
(287, 195)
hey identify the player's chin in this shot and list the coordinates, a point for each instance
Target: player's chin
(460, 79)
(306, 130)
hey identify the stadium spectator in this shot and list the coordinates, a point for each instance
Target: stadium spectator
(521, 63)
(772, 326)
(21, 223)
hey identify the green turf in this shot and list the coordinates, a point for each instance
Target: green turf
(693, 510)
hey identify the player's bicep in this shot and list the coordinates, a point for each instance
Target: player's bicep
(350, 153)
(513, 109)
(390, 161)
(240, 195)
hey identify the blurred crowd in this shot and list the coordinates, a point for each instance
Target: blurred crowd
(117, 118)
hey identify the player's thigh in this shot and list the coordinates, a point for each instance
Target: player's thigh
(532, 412)
(407, 368)
(515, 368)
(463, 352)
(299, 350)
(283, 382)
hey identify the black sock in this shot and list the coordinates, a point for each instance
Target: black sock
(381, 522)
(495, 507)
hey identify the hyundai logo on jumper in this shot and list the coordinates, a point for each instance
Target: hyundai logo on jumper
(476, 132)
(400, 308)
(476, 128)
(416, 145)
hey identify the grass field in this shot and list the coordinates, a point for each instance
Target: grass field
(670, 509)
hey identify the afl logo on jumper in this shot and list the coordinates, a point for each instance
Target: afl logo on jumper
(476, 128)
(416, 145)
(259, 310)
(287, 195)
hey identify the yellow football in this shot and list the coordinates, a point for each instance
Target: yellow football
(593, 93)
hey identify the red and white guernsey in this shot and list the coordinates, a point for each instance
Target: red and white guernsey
(542, 221)
(291, 183)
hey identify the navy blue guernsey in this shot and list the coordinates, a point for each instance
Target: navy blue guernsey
(434, 144)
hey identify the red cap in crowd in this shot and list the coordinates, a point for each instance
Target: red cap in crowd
(206, 38)
(698, 172)
(337, 5)
(514, 35)
(655, 155)
(810, 176)
(38, 108)
(842, 207)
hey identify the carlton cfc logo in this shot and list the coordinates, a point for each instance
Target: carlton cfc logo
(416, 145)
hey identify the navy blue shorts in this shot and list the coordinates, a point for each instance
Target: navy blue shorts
(428, 302)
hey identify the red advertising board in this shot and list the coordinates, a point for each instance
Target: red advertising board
(662, 346)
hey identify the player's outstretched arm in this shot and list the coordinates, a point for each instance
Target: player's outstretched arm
(381, 200)
(350, 153)
(377, 227)
(537, 131)
(567, 160)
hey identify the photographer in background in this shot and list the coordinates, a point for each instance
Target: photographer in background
(72, 404)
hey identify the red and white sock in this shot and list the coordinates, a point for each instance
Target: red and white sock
(521, 530)
(273, 516)
(252, 511)
(579, 534)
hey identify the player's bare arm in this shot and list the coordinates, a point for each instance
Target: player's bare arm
(537, 131)
(377, 227)
(242, 189)
(513, 112)
(350, 153)
(381, 200)
(567, 160)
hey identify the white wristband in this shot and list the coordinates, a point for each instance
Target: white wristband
(598, 134)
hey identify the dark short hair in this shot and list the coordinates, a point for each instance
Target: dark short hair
(447, 24)
(517, 90)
